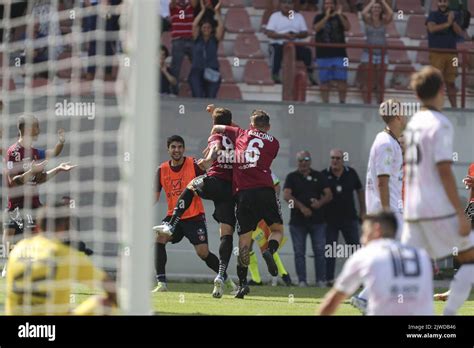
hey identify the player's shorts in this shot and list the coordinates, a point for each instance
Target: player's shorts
(331, 69)
(220, 192)
(19, 220)
(439, 237)
(194, 230)
(257, 204)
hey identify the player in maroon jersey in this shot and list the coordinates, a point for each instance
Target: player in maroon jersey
(24, 169)
(215, 185)
(255, 151)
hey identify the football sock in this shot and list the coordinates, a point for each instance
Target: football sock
(160, 261)
(253, 268)
(273, 246)
(212, 262)
(225, 252)
(184, 201)
(279, 263)
(460, 288)
(242, 274)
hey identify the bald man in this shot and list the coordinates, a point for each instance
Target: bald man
(341, 213)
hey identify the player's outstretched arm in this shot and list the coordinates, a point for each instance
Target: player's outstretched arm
(63, 167)
(36, 168)
(58, 148)
(218, 129)
(331, 301)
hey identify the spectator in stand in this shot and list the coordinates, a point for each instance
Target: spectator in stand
(330, 27)
(376, 16)
(182, 17)
(307, 191)
(284, 26)
(443, 30)
(204, 77)
(164, 12)
(340, 213)
(209, 14)
(167, 80)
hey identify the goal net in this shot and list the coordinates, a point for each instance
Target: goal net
(85, 71)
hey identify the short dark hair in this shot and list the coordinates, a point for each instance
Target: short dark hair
(222, 116)
(427, 82)
(26, 120)
(49, 219)
(175, 138)
(165, 49)
(260, 119)
(385, 110)
(387, 220)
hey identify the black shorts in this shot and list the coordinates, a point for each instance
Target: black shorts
(220, 192)
(256, 204)
(194, 230)
(19, 220)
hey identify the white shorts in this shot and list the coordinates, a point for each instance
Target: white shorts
(440, 238)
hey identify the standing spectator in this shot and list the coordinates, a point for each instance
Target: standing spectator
(182, 17)
(330, 27)
(209, 11)
(204, 77)
(376, 16)
(167, 80)
(341, 213)
(442, 33)
(307, 191)
(284, 26)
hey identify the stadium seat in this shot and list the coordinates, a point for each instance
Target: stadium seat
(226, 71)
(11, 84)
(392, 31)
(356, 28)
(39, 82)
(233, 3)
(237, 20)
(397, 56)
(185, 69)
(185, 90)
(247, 46)
(265, 17)
(65, 73)
(423, 57)
(260, 4)
(470, 5)
(355, 54)
(401, 77)
(229, 91)
(166, 40)
(309, 18)
(220, 50)
(410, 6)
(257, 72)
(416, 28)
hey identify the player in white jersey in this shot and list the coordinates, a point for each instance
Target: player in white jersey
(399, 278)
(434, 215)
(384, 183)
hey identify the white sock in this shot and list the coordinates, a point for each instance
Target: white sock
(364, 294)
(460, 289)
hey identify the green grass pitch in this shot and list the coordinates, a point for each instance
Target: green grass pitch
(196, 299)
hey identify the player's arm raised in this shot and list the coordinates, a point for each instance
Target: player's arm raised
(58, 148)
(449, 184)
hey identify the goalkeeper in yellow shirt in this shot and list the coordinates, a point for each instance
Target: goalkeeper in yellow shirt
(260, 235)
(42, 270)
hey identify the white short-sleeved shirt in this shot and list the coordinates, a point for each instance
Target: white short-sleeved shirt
(386, 158)
(429, 140)
(281, 24)
(399, 279)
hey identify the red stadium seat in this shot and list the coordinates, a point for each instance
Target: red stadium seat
(185, 69)
(166, 40)
(247, 46)
(416, 28)
(220, 50)
(229, 91)
(356, 28)
(392, 31)
(237, 20)
(39, 82)
(401, 77)
(471, 6)
(423, 57)
(265, 17)
(233, 3)
(355, 54)
(309, 18)
(397, 56)
(226, 71)
(410, 6)
(260, 4)
(11, 84)
(65, 73)
(257, 72)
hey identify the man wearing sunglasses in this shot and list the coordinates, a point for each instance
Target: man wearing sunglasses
(307, 191)
(340, 213)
